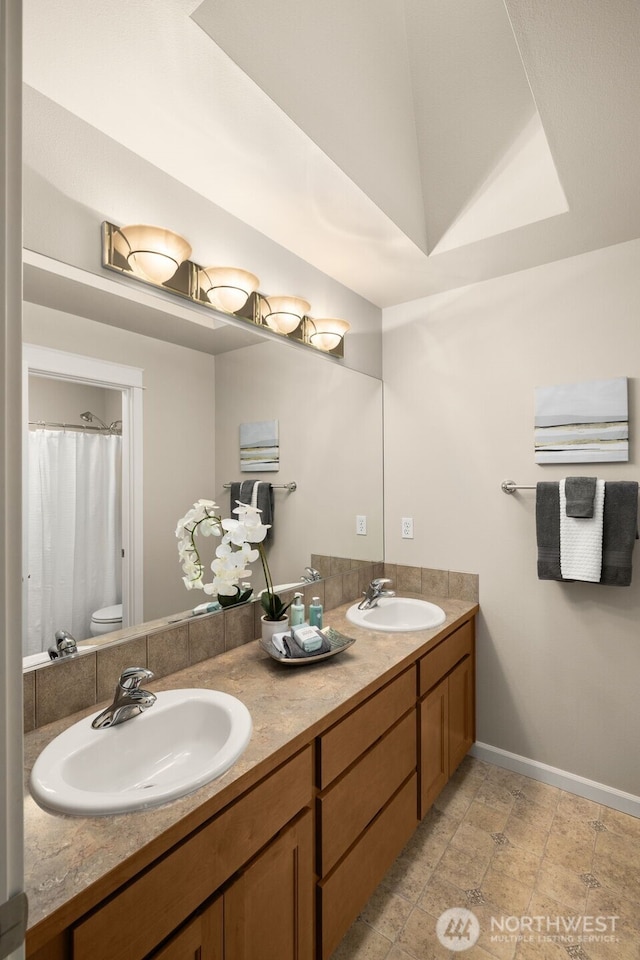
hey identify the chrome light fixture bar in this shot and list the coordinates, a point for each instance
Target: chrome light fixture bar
(160, 258)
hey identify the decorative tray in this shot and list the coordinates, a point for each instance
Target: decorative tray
(337, 641)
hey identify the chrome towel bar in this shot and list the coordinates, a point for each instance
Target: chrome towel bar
(276, 486)
(510, 486)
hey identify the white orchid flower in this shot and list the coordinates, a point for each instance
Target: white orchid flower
(209, 505)
(247, 528)
(230, 564)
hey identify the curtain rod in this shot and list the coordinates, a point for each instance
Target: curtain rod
(73, 426)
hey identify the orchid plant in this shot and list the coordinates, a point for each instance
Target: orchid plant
(232, 555)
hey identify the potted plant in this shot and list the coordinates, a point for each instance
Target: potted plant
(274, 618)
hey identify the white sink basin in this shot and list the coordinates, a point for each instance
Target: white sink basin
(398, 614)
(185, 739)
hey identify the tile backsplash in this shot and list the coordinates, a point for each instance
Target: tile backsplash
(60, 688)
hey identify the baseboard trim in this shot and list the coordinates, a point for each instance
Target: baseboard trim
(599, 792)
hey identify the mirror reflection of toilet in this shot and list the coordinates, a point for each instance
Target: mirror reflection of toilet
(106, 620)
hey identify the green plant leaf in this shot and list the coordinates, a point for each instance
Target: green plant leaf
(273, 606)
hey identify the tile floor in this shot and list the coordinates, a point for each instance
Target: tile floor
(505, 846)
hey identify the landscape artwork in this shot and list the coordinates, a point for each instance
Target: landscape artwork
(259, 446)
(582, 422)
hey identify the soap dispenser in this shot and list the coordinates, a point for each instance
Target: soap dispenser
(315, 613)
(297, 610)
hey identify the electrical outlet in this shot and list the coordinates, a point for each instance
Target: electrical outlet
(361, 526)
(407, 528)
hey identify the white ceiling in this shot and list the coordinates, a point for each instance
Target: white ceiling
(401, 146)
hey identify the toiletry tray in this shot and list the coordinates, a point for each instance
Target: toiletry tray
(337, 641)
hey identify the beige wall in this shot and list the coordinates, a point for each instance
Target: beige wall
(178, 415)
(558, 663)
(81, 177)
(330, 421)
(63, 402)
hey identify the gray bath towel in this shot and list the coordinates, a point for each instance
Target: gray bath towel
(580, 492)
(620, 531)
(243, 491)
(548, 530)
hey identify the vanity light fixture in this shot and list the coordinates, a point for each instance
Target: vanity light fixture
(154, 253)
(227, 288)
(161, 258)
(283, 314)
(327, 333)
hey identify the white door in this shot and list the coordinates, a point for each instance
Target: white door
(11, 819)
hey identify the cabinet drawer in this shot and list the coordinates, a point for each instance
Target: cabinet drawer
(141, 915)
(354, 800)
(345, 742)
(347, 889)
(444, 657)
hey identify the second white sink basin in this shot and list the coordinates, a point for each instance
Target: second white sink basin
(397, 615)
(186, 739)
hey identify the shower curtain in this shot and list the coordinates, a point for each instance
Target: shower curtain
(74, 532)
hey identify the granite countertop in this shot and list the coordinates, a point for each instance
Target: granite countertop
(289, 706)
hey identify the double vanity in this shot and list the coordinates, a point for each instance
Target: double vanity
(276, 856)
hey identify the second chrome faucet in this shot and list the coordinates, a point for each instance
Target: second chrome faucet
(374, 592)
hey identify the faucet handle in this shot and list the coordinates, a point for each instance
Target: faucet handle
(132, 677)
(379, 582)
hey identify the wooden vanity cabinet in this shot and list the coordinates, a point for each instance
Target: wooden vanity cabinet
(367, 807)
(266, 911)
(446, 711)
(201, 938)
(281, 872)
(167, 910)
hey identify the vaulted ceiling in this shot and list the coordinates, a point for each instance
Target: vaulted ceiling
(402, 146)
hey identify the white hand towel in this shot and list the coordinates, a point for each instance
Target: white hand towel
(581, 540)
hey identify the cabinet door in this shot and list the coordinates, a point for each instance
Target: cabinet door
(268, 909)
(200, 939)
(461, 712)
(434, 744)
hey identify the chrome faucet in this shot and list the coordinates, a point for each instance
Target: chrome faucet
(65, 646)
(128, 700)
(310, 575)
(374, 592)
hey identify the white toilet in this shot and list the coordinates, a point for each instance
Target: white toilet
(106, 620)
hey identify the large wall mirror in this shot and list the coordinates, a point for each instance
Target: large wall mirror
(193, 402)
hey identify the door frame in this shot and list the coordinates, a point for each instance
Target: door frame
(11, 711)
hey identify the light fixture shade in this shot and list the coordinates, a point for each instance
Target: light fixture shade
(154, 253)
(227, 288)
(283, 314)
(327, 333)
